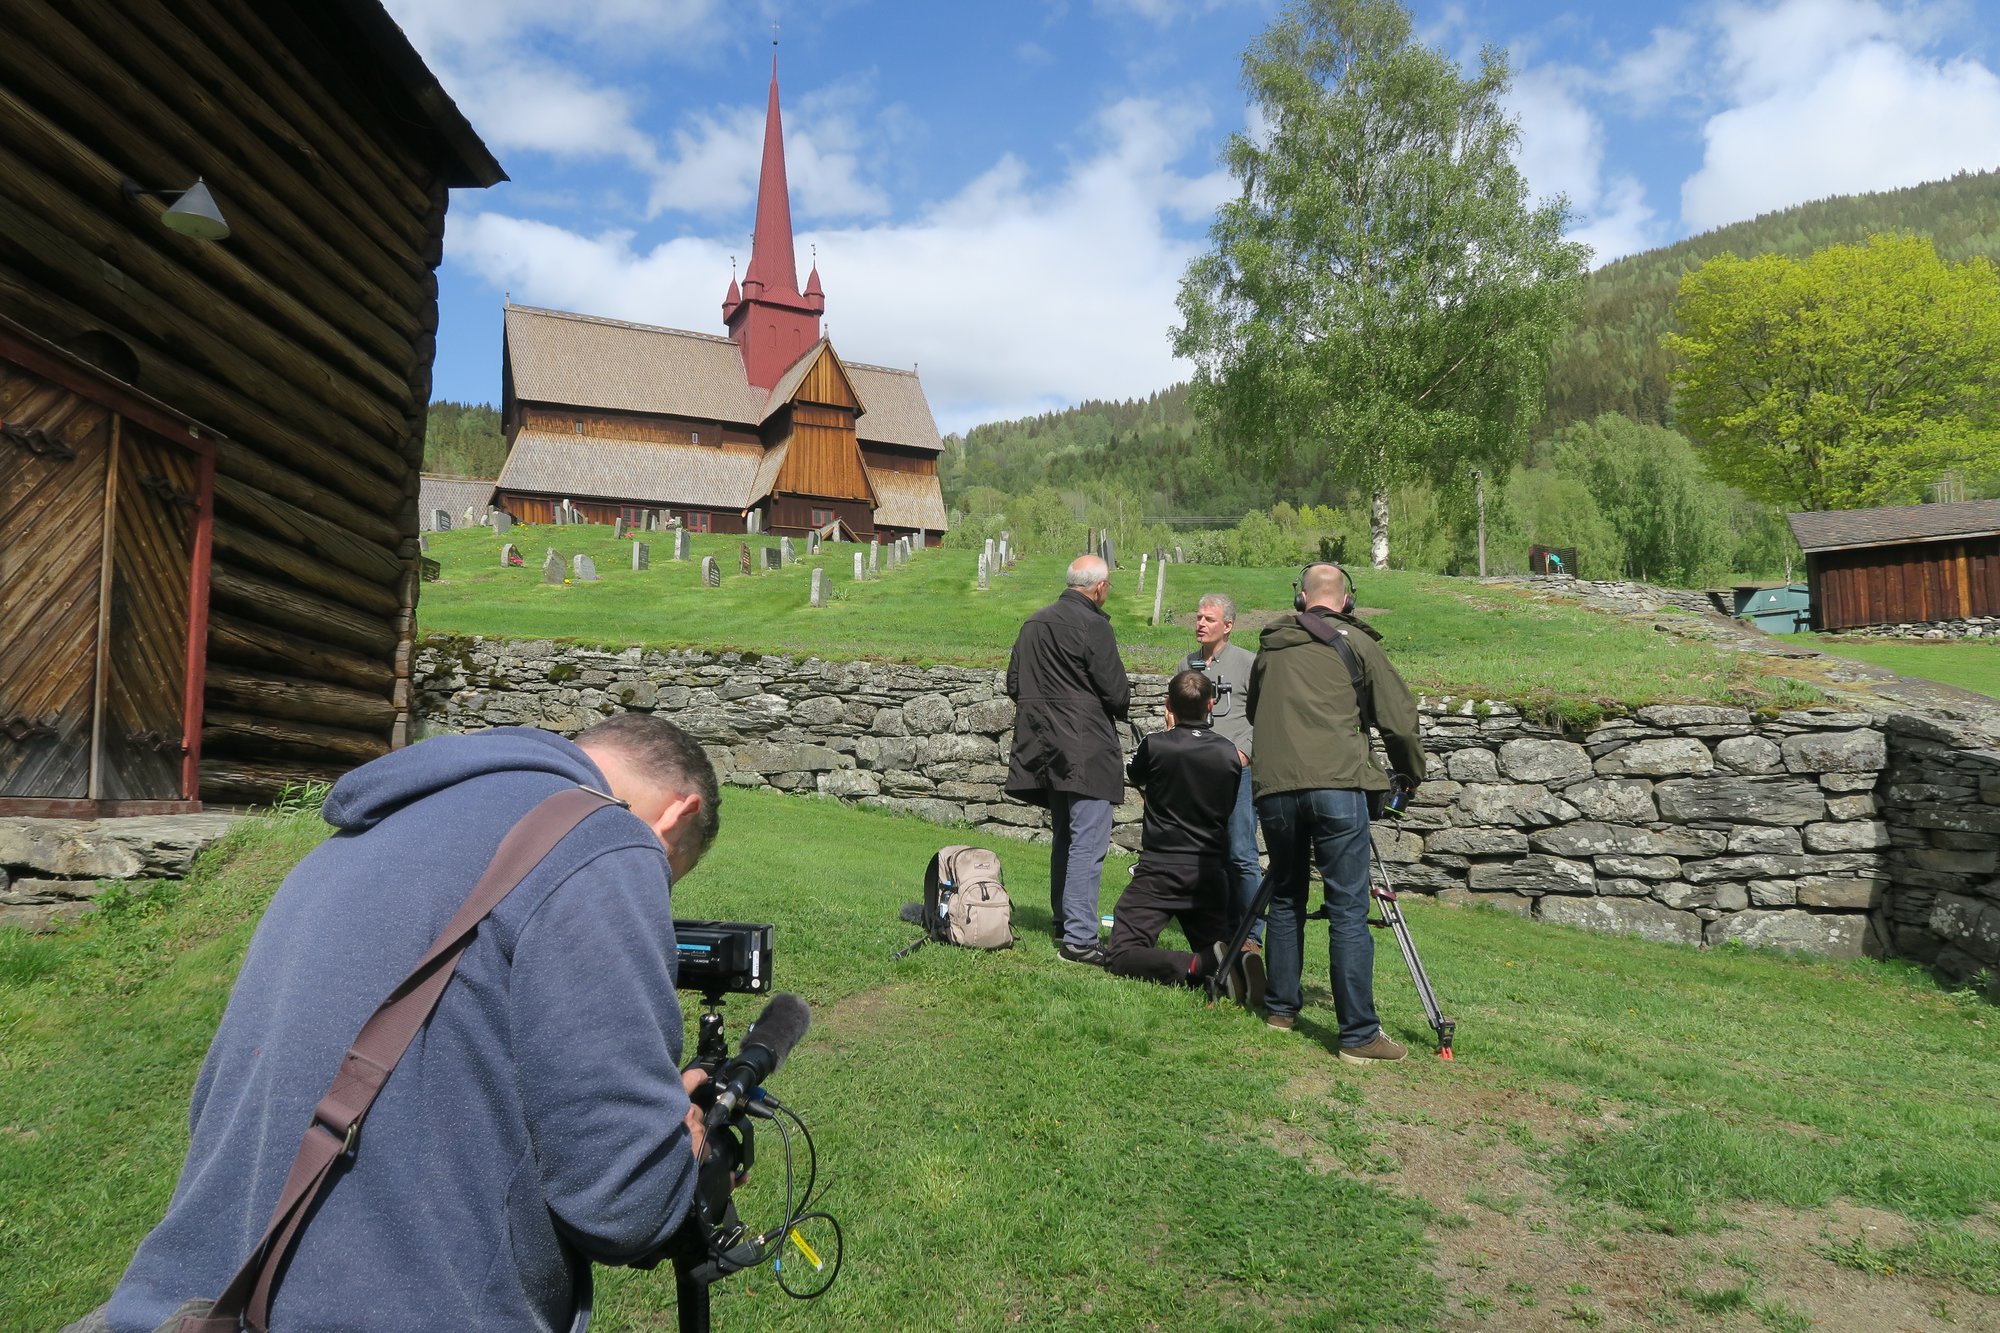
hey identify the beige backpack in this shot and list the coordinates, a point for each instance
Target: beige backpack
(964, 901)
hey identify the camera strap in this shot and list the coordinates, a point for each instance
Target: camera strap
(336, 1121)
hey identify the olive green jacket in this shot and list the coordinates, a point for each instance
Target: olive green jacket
(1310, 733)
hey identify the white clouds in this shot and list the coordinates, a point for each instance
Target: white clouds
(1835, 97)
(1013, 296)
(1656, 72)
(718, 155)
(1562, 152)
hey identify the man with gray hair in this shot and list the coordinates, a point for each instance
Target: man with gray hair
(1070, 689)
(1228, 670)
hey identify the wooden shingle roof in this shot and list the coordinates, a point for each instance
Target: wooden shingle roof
(907, 499)
(1846, 529)
(451, 494)
(556, 463)
(573, 360)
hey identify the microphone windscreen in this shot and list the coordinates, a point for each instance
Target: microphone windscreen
(778, 1029)
(913, 913)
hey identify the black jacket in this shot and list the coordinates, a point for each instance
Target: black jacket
(1190, 776)
(1065, 677)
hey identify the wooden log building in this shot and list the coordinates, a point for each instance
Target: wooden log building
(768, 424)
(1902, 565)
(209, 462)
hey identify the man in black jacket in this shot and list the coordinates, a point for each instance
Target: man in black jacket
(1189, 774)
(1069, 687)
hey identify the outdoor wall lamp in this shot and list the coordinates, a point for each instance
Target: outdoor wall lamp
(193, 212)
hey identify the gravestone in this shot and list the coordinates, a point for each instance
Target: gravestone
(642, 556)
(711, 573)
(754, 522)
(785, 556)
(431, 570)
(423, 544)
(562, 516)
(1108, 553)
(681, 544)
(1006, 556)
(773, 559)
(509, 555)
(743, 557)
(812, 542)
(819, 587)
(1160, 590)
(983, 584)
(552, 568)
(989, 553)
(471, 517)
(859, 568)
(874, 555)
(503, 522)
(1180, 557)
(440, 521)
(1142, 574)
(584, 569)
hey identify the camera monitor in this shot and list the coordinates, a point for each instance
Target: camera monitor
(724, 957)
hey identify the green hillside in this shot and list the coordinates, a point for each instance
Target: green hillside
(1614, 361)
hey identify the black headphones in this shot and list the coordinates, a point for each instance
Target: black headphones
(1299, 586)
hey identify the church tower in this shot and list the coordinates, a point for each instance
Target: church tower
(771, 321)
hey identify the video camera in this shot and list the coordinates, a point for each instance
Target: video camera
(719, 958)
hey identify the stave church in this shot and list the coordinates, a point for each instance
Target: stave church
(765, 428)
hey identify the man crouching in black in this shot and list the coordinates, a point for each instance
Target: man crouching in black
(1189, 776)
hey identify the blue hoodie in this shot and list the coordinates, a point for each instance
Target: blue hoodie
(536, 1118)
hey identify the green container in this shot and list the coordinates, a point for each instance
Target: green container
(1783, 609)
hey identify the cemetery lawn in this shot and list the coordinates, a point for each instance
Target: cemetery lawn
(1447, 636)
(1633, 1135)
(1970, 664)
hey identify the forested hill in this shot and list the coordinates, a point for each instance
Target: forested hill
(1613, 362)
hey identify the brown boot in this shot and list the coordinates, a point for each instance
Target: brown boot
(1378, 1050)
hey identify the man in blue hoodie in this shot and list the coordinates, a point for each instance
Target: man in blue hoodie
(538, 1123)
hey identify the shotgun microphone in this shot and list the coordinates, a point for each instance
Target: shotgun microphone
(765, 1047)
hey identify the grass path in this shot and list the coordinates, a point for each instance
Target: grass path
(1970, 664)
(1634, 1135)
(1448, 636)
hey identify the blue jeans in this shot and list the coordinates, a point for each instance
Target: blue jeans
(1246, 873)
(1076, 865)
(1327, 828)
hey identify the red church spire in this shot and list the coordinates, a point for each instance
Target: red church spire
(774, 323)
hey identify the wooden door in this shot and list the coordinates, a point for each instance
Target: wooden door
(55, 457)
(142, 733)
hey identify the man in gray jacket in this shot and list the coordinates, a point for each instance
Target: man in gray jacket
(1228, 669)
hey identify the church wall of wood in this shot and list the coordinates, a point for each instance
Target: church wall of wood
(891, 459)
(644, 427)
(824, 459)
(304, 341)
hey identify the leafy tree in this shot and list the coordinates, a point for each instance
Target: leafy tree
(1672, 519)
(1381, 299)
(1850, 378)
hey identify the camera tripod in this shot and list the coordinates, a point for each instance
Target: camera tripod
(1384, 896)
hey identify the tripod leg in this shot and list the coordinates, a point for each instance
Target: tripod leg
(690, 1300)
(1392, 913)
(1239, 933)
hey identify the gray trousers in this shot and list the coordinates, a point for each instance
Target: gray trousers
(1076, 865)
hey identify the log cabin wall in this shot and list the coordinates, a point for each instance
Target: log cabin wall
(632, 426)
(303, 342)
(1911, 583)
(891, 459)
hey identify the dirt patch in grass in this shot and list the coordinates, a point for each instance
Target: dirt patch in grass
(1515, 1256)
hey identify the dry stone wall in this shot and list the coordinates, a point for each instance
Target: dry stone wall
(1829, 831)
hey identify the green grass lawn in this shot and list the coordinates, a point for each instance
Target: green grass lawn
(1015, 1142)
(1447, 636)
(1970, 664)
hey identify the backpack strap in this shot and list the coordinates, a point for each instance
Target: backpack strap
(336, 1122)
(1335, 638)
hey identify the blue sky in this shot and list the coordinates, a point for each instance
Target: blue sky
(1005, 195)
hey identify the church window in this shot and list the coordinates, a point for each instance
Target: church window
(821, 517)
(579, 425)
(694, 437)
(700, 520)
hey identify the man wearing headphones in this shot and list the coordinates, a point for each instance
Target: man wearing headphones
(1319, 682)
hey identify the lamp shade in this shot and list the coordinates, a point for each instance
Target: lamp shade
(195, 214)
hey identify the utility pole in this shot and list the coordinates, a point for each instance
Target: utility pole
(1479, 496)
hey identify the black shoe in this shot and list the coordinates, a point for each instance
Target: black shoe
(1090, 954)
(1254, 976)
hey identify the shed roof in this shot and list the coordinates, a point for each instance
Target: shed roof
(907, 499)
(555, 463)
(1846, 529)
(452, 494)
(587, 361)
(471, 164)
